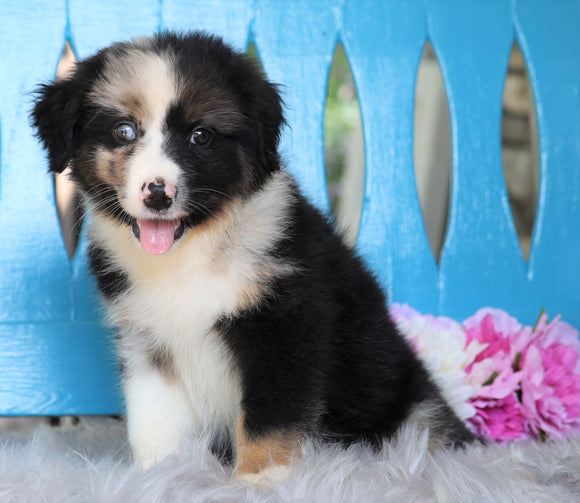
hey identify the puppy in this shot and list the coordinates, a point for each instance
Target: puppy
(241, 314)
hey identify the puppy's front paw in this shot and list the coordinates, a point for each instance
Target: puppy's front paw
(266, 478)
(146, 464)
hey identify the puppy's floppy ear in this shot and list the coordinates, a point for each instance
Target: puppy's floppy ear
(55, 116)
(269, 118)
(264, 108)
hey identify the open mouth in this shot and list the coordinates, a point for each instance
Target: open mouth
(157, 235)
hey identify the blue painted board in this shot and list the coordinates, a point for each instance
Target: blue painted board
(34, 272)
(96, 24)
(230, 20)
(554, 64)
(57, 368)
(481, 262)
(296, 40)
(384, 45)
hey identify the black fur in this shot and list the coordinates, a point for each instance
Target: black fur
(338, 365)
(111, 282)
(319, 353)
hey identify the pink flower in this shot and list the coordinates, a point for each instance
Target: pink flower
(502, 321)
(493, 367)
(551, 380)
(494, 328)
(508, 381)
(500, 420)
(494, 376)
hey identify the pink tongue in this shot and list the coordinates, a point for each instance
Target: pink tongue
(156, 236)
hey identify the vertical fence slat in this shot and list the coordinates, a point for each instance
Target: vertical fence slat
(231, 20)
(481, 263)
(48, 365)
(554, 67)
(296, 42)
(34, 282)
(95, 24)
(384, 41)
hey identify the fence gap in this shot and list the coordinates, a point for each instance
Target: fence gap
(432, 148)
(519, 150)
(344, 147)
(68, 202)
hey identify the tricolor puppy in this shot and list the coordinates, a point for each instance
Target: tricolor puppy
(241, 314)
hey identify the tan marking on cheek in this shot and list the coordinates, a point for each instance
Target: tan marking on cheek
(109, 166)
(256, 454)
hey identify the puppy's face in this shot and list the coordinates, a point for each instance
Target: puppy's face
(162, 133)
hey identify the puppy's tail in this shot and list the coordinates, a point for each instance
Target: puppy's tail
(445, 428)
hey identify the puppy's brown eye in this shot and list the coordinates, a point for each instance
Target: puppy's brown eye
(125, 132)
(201, 136)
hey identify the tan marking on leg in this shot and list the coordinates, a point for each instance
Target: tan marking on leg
(256, 454)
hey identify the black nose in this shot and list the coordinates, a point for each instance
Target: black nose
(157, 199)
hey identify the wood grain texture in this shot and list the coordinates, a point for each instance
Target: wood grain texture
(295, 40)
(481, 262)
(55, 357)
(554, 67)
(58, 368)
(384, 45)
(95, 24)
(33, 270)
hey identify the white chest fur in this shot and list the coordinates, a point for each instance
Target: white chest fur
(175, 299)
(176, 312)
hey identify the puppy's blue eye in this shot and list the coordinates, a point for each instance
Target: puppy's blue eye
(201, 136)
(125, 132)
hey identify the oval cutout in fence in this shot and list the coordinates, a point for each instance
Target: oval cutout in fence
(344, 147)
(519, 148)
(432, 148)
(68, 204)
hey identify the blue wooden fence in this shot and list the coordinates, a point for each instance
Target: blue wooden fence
(55, 356)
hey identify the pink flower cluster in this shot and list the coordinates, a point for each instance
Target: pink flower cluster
(527, 378)
(525, 381)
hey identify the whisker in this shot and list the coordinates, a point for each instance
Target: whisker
(196, 206)
(202, 190)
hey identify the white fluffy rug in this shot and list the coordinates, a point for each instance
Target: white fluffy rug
(90, 464)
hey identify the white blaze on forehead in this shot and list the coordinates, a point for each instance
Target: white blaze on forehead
(138, 84)
(141, 86)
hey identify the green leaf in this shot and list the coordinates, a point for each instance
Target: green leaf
(517, 360)
(492, 377)
(542, 312)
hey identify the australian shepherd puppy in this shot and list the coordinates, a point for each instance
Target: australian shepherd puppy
(241, 314)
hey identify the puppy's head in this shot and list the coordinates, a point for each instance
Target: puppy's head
(161, 133)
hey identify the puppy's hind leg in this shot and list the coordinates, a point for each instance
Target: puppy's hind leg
(264, 458)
